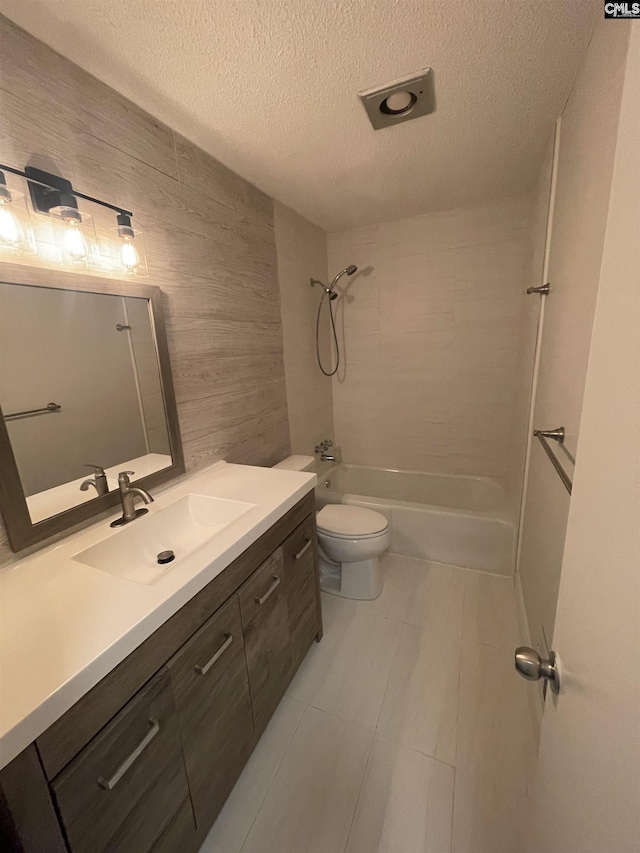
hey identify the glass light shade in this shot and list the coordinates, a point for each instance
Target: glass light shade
(129, 256)
(66, 239)
(74, 243)
(16, 236)
(123, 252)
(10, 231)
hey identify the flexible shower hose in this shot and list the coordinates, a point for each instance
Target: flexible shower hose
(335, 336)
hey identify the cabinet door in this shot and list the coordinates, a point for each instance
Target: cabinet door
(301, 584)
(210, 685)
(265, 623)
(121, 791)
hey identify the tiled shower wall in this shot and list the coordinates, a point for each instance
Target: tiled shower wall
(302, 253)
(430, 330)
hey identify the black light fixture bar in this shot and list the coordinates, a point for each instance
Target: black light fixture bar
(58, 185)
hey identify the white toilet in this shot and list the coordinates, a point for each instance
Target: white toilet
(350, 540)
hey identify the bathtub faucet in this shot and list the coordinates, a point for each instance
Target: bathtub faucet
(327, 457)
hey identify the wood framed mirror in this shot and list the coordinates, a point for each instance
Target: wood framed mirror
(85, 388)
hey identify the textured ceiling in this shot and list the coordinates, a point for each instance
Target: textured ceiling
(269, 87)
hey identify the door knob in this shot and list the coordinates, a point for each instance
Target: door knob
(531, 666)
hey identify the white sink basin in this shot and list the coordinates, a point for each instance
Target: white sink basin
(181, 527)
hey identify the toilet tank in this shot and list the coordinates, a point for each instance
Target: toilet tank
(297, 463)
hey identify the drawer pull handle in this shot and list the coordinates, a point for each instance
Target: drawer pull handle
(303, 550)
(109, 784)
(203, 670)
(270, 591)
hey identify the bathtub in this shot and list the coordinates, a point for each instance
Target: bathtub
(455, 519)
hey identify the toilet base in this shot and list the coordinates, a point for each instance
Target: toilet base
(361, 580)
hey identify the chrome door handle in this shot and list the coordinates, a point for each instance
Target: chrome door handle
(303, 550)
(531, 666)
(270, 591)
(109, 784)
(203, 670)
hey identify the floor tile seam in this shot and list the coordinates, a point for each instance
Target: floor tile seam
(469, 569)
(383, 693)
(415, 749)
(514, 790)
(458, 639)
(453, 807)
(342, 719)
(275, 773)
(388, 679)
(360, 790)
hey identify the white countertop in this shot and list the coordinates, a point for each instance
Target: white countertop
(64, 625)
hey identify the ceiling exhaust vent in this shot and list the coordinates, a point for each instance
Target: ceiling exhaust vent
(401, 100)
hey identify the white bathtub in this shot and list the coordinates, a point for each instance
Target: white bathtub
(451, 519)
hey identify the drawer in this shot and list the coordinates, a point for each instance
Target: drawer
(62, 741)
(211, 690)
(121, 791)
(301, 583)
(180, 836)
(265, 624)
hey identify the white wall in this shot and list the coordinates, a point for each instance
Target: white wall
(430, 330)
(528, 331)
(586, 153)
(302, 254)
(588, 785)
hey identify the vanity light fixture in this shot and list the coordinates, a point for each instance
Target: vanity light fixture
(10, 231)
(55, 196)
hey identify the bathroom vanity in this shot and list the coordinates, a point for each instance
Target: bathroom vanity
(139, 664)
(153, 734)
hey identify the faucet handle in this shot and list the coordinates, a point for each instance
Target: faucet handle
(123, 477)
(97, 469)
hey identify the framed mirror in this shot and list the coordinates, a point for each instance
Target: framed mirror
(85, 392)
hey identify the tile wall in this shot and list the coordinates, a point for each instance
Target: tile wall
(430, 331)
(302, 253)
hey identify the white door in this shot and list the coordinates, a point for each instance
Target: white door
(586, 797)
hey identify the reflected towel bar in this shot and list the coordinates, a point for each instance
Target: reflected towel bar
(50, 407)
(557, 435)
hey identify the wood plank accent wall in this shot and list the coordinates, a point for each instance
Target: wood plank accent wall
(209, 239)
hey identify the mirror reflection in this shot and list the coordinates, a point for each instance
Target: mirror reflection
(81, 393)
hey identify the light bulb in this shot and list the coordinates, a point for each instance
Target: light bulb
(74, 241)
(129, 254)
(9, 228)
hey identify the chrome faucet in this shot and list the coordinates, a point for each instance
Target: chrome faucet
(327, 457)
(128, 494)
(98, 481)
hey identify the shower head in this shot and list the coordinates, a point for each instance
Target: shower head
(346, 271)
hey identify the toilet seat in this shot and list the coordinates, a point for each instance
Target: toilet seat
(341, 521)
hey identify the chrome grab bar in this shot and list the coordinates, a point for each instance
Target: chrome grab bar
(109, 784)
(50, 407)
(203, 670)
(556, 435)
(270, 591)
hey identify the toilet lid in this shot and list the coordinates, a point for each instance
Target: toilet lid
(350, 521)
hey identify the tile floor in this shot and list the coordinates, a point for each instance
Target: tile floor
(405, 731)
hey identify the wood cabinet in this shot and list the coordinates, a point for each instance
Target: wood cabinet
(121, 791)
(145, 760)
(301, 586)
(211, 689)
(265, 624)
